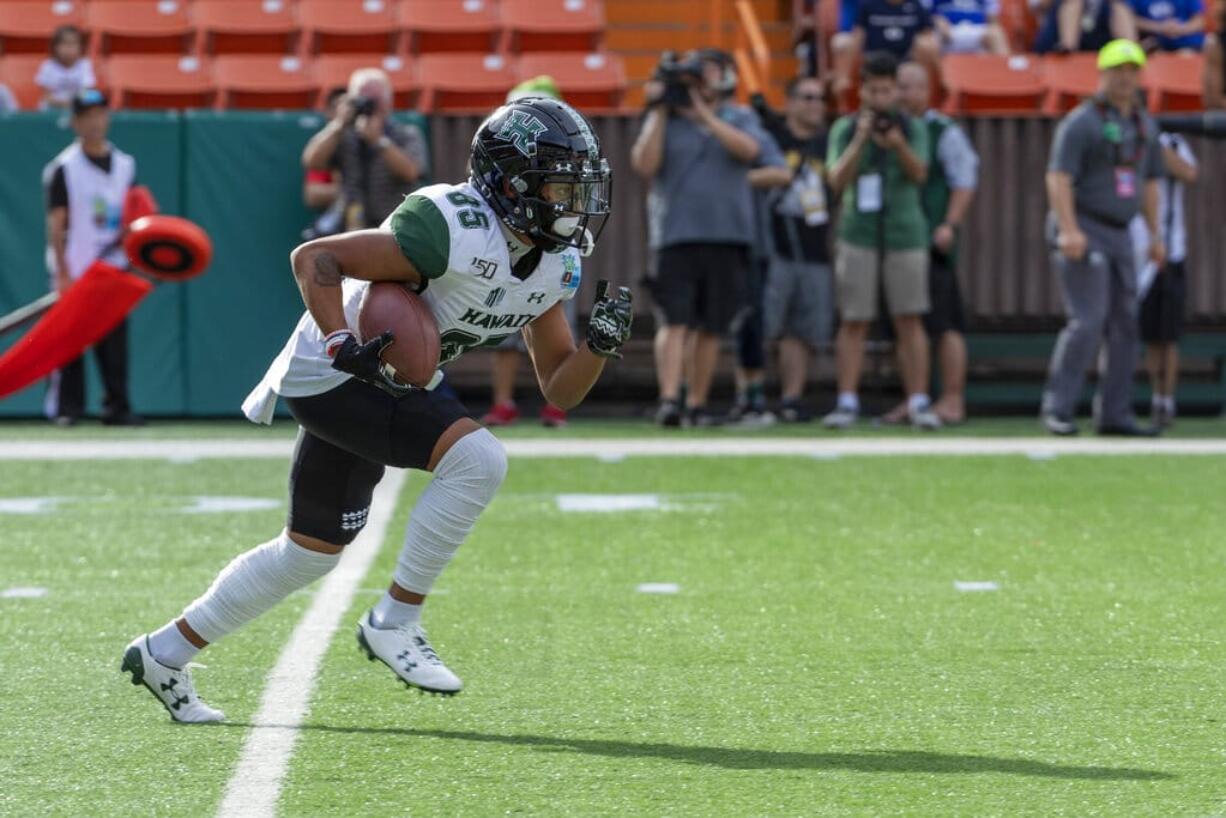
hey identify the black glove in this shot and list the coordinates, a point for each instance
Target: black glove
(362, 361)
(609, 325)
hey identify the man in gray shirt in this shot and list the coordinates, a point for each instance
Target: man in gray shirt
(697, 152)
(1105, 165)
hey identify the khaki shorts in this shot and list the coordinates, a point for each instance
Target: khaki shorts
(856, 285)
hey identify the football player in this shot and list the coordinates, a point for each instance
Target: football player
(492, 256)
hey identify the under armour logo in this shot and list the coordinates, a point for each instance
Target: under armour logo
(536, 298)
(170, 688)
(521, 129)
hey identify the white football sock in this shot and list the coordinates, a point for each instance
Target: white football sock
(464, 484)
(170, 647)
(390, 612)
(252, 583)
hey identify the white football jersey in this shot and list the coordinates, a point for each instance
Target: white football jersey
(455, 240)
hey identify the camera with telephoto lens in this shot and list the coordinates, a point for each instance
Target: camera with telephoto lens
(679, 75)
(885, 121)
(364, 106)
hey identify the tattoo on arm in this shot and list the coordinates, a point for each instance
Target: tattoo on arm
(327, 270)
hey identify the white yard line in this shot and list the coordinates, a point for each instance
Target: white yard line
(824, 447)
(255, 787)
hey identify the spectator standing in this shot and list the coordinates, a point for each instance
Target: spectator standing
(696, 150)
(67, 70)
(506, 356)
(1165, 300)
(876, 164)
(953, 176)
(85, 189)
(1105, 166)
(1082, 25)
(1215, 60)
(902, 28)
(380, 161)
(969, 26)
(798, 304)
(1170, 25)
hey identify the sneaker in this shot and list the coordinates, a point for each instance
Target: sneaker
(170, 686)
(697, 417)
(1059, 425)
(669, 413)
(407, 651)
(793, 411)
(1161, 417)
(552, 416)
(924, 418)
(500, 414)
(65, 421)
(840, 418)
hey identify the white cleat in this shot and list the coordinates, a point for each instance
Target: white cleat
(172, 687)
(407, 651)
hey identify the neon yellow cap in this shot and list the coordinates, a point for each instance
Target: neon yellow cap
(542, 86)
(1120, 52)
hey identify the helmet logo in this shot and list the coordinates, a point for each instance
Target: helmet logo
(521, 129)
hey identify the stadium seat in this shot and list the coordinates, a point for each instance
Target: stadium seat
(264, 81)
(551, 25)
(26, 26)
(449, 25)
(1175, 82)
(348, 26)
(159, 81)
(992, 85)
(587, 81)
(138, 27)
(236, 27)
(332, 71)
(463, 82)
(17, 71)
(1069, 79)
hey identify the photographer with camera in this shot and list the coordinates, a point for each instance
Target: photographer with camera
(875, 163)
(379, 160)
(697, 149)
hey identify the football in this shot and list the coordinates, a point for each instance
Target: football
(413, 355)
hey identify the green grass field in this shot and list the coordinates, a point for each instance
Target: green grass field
(817, 659)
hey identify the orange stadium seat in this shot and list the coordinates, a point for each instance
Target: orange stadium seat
(138, 27)
(1175, 82)
(159, 81)
(587, 81)
(992, 85)
(349, 26)
(332, 71)
(250, 27)
(264, 81)
(552, 25)
(463, 82)
(26, 25)
(1069, 79)
(17, 72)
(449, 25)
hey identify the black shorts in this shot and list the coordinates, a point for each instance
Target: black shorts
(946, 313)
(1162, 311)
(348, 435)
(701, 286)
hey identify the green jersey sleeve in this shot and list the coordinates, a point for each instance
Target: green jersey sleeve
(421, 232)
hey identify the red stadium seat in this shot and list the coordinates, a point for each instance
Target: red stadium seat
(449, 25)
(1069, 79)
(264, 81)
(17, 71)
(159, 81)
(245, 27)
(992, 85)
(332, 71)
(349, 26)
(463, 82)
(138, 27)
(26, 25)
(552, 25)
(587, 81)
(1175, 82)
